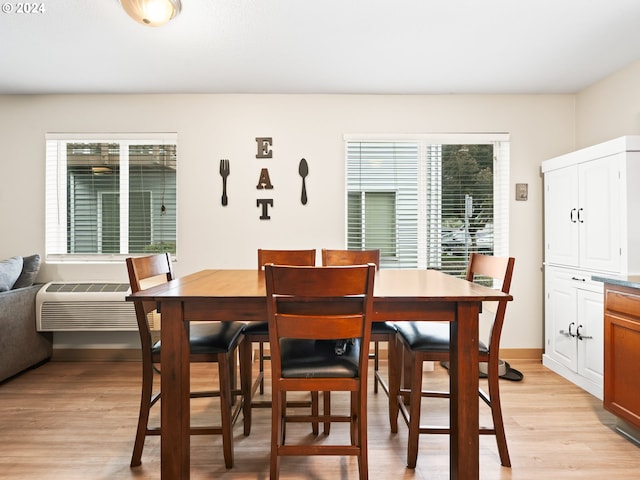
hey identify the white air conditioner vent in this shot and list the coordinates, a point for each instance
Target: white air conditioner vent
(88, 287)
(85, 306)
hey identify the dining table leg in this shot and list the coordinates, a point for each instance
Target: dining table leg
(464, 438)
(174, 405)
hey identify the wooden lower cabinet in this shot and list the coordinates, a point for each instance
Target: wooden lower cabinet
(622, 352)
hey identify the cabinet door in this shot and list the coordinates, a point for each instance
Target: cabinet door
(622, 353)
(560, 324)
(599, 214)
(561, 216)
(590, 332)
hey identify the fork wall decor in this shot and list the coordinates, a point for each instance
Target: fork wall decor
(224, 173)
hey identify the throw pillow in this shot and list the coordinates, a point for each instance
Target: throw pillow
(9, 272)
(30, 268)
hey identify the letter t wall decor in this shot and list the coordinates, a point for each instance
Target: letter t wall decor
(264, 182)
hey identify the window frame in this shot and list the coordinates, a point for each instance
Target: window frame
(57, 228)
(501, 151)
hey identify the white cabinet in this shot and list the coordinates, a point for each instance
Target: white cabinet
(574, 327)
(592, 201)
(560, 227)
(583, 226)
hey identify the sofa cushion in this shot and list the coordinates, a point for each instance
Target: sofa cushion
(10, 270)
(30, 268)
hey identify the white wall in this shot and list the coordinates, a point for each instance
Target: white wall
(211, 127)
(609, 108)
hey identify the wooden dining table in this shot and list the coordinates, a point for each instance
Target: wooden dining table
(240, 295)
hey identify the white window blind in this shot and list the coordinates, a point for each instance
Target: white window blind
(110, 196)
(427, 202)
(382, 185)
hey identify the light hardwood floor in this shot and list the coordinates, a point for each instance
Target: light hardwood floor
(76, 420)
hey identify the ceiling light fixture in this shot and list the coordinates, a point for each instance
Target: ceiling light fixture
(153, 13)
(99, 170)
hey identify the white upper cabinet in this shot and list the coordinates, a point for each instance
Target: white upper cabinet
(590, 198)
(599, 209)
(561, 217)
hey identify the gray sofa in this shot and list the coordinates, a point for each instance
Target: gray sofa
(21, 345)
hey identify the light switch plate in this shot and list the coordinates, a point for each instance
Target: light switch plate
(522, 191)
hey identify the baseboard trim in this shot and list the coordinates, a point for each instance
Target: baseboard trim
(96, 355)
(521, 353)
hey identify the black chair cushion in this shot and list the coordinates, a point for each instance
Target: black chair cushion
(256, 328)
(383, 327)
(428, 336)
(211, 337)
(318, 359)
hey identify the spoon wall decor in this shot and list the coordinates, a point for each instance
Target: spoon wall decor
(303, 170)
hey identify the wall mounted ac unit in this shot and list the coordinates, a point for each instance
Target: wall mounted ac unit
(85, 306)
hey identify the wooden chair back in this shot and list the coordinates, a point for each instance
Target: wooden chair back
(286, 257)
(153, 269)
(350, 257)
(319, 303)
(498, 269)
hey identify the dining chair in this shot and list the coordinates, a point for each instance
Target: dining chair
(208, 342)
(429, 341)
(380, 331)
(258, 332)
(309, 308)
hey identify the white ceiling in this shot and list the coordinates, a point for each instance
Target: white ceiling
(322, 46)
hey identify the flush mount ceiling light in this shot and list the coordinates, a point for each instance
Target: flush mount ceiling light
(153, 13)
(98, 170)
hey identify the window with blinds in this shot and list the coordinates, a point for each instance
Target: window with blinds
(109, 197)
(428, 202)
